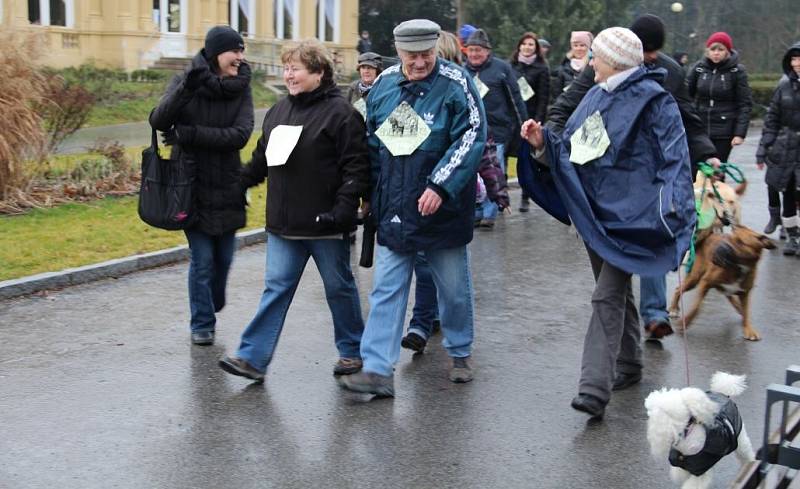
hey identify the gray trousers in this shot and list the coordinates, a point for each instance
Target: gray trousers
(613, 340)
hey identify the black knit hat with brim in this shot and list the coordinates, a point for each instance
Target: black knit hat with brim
(220, 39)
(650, 30)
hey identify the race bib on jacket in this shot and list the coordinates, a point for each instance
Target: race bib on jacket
(525, 89)
(403, 131)
(590, 141)
(482, 88)
(281, 143)
(361, 106)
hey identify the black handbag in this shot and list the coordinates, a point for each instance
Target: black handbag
(165, 195)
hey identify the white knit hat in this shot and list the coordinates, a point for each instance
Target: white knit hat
(619, 47)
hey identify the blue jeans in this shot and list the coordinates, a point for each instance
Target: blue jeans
(426, 307)
(211, 258)
(380, 345)
(653, 299)
(486, 210)
(501, 156)
(286, 260)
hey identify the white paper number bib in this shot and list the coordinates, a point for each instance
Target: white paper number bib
(590, 141)
(525, 89)
(482, 88)
(281, 143)
(361, 106)
(403, 131)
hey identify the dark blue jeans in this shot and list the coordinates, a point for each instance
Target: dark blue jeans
(286, 260)
(208, 275)
(426, 307)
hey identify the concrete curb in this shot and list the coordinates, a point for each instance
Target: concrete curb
(110, 269)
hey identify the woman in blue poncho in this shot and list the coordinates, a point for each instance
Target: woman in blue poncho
(621, 168)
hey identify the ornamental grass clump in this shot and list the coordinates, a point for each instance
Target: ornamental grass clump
(22, 87)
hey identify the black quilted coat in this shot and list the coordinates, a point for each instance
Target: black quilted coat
(213, 121)
(780, 140)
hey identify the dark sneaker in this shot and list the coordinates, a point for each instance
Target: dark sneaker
(368, 383)
(347, 366)
(461, 372)
(589, 404)
(415, 342)
(625, 380)
(487, 223)
(203, 338)
(525, 205)
(657, 329)
(237, 366)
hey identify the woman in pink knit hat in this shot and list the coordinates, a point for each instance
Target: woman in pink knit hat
(718, 85)
(576, 60)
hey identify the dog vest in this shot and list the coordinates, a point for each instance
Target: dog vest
(722, 438)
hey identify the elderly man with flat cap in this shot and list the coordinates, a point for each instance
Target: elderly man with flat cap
(426, 133)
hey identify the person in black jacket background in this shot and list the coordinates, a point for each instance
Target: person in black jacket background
(505, 109)
(207, 116)
(779, 149)
(313, 151)
(722, 97)
(534, 82)
(650, 30)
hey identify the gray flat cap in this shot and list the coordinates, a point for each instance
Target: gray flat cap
(416, 35)
(370, 59)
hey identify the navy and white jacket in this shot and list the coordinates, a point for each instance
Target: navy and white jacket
(634, 205)
(446, 161)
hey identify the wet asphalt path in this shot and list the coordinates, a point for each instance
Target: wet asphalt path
(99, 387)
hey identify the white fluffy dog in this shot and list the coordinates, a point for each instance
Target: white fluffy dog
(696, 429)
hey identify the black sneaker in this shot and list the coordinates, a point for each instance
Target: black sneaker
(237, 366)
(589, 404)
(347, 366)
(414, 342)
(203, 338)
(625, 380)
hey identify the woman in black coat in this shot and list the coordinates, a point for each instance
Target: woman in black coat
(779, 149)
(207, 116)
(718, 85)
(534, 83)
(313, 152)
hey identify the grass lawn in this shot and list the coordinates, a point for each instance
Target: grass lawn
(72, 235)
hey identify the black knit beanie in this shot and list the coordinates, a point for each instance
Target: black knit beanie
(220, 39)
(650, 30)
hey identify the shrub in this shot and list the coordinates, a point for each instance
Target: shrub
(22, 87)
(65, 109)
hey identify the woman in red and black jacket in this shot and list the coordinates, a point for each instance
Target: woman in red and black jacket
(722, 96)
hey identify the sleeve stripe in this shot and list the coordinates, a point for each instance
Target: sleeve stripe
(468, 139)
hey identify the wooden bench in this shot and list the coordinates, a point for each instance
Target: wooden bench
(779, 468)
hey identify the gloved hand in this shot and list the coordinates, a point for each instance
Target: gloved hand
(325, 220)
(184, 134)
(196, 77)
(168, 137)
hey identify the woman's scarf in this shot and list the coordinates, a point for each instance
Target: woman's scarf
(528, 60)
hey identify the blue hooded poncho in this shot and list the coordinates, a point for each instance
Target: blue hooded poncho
(634, 205)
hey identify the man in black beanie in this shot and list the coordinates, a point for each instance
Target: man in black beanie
(650, 30)
(220, 39)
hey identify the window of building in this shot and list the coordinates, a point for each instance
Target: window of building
(328, 20)
(286, 19)
(52, 12)
(243, 16)
(170, 15)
